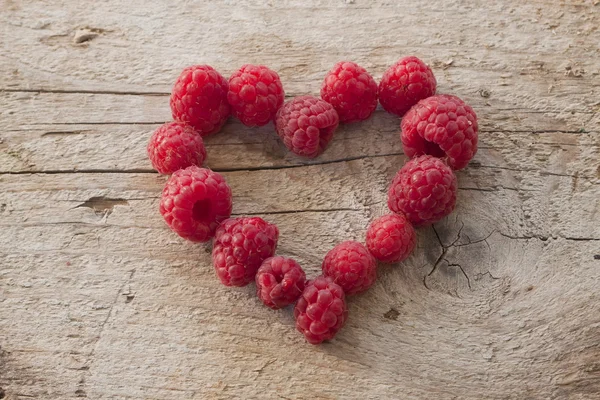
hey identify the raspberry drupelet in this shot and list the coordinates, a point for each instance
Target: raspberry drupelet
(175, 146)
(199, 98)
(240, 247)
(441, 126)
(424, 190)
(255, 94)
(279, 282)
(351, 266)
(321, 311)
(404, 84)
(194, 201)
(350, 89)
(306, 125)
(391, 238)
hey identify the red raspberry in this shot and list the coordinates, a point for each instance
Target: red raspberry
(391, 238)
(351, 266)
(174, 146)
(350, 89)
(321, 311)
(194, 201)
(442, 126)
(240, 246)
(255, 94)
(404, 84)
(279, 282)
(306, 125)
(199, 98)
(424, 190)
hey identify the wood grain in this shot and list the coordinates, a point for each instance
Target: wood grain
(99, 300)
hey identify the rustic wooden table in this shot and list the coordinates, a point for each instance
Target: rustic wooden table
(99, 300)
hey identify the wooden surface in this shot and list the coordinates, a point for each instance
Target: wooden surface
(99, 300)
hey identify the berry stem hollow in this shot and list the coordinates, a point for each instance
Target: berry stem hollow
(202, 210)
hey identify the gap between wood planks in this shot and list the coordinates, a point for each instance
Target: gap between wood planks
(278, 167)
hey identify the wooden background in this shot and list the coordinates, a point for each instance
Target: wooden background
(99, 300)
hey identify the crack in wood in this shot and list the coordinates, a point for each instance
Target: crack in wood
(102, 204)
(82, 91)
(80, 392)
(300, 165)
(534, 131)
(442, 257)
(462, 270)
(98, 123)
(543, 173)
(545, 238)
(65, 133)
(479, 275)
(242, 169)
(378, 130)
(265, 365)
(470, 242)
(308, 164)
(324, 210)
(496, 189)
(439, 259)
(82, 171)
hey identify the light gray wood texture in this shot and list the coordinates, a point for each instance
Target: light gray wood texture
(99, 300)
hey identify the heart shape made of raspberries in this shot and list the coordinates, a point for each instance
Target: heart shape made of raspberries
(438, 134)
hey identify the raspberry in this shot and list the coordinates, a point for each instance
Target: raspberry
(321, 311)
(279, 282)
(351, 266)
(424, 190)
(442, 126)
(240, 246)
(255, 94)
(306, 125)
(404, 84)
(194, 201)
(391, 238)
(199, 98)
(174, 146)
(350, 89)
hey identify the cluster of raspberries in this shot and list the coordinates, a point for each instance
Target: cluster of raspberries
(438, 133)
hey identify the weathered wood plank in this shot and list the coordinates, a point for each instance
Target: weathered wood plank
(99, 300)
(55, 144)
(545, 37)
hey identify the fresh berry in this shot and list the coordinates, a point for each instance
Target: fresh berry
(424, 190)
(306, 125)
(279, 282)
(199, 98)
(351, 266)
(174, 146)
(240, 247)
(194, 201)
(404, 84)
(321, 311)
(255, 94)
(350, 89)
(391, 238)
(442, 126)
